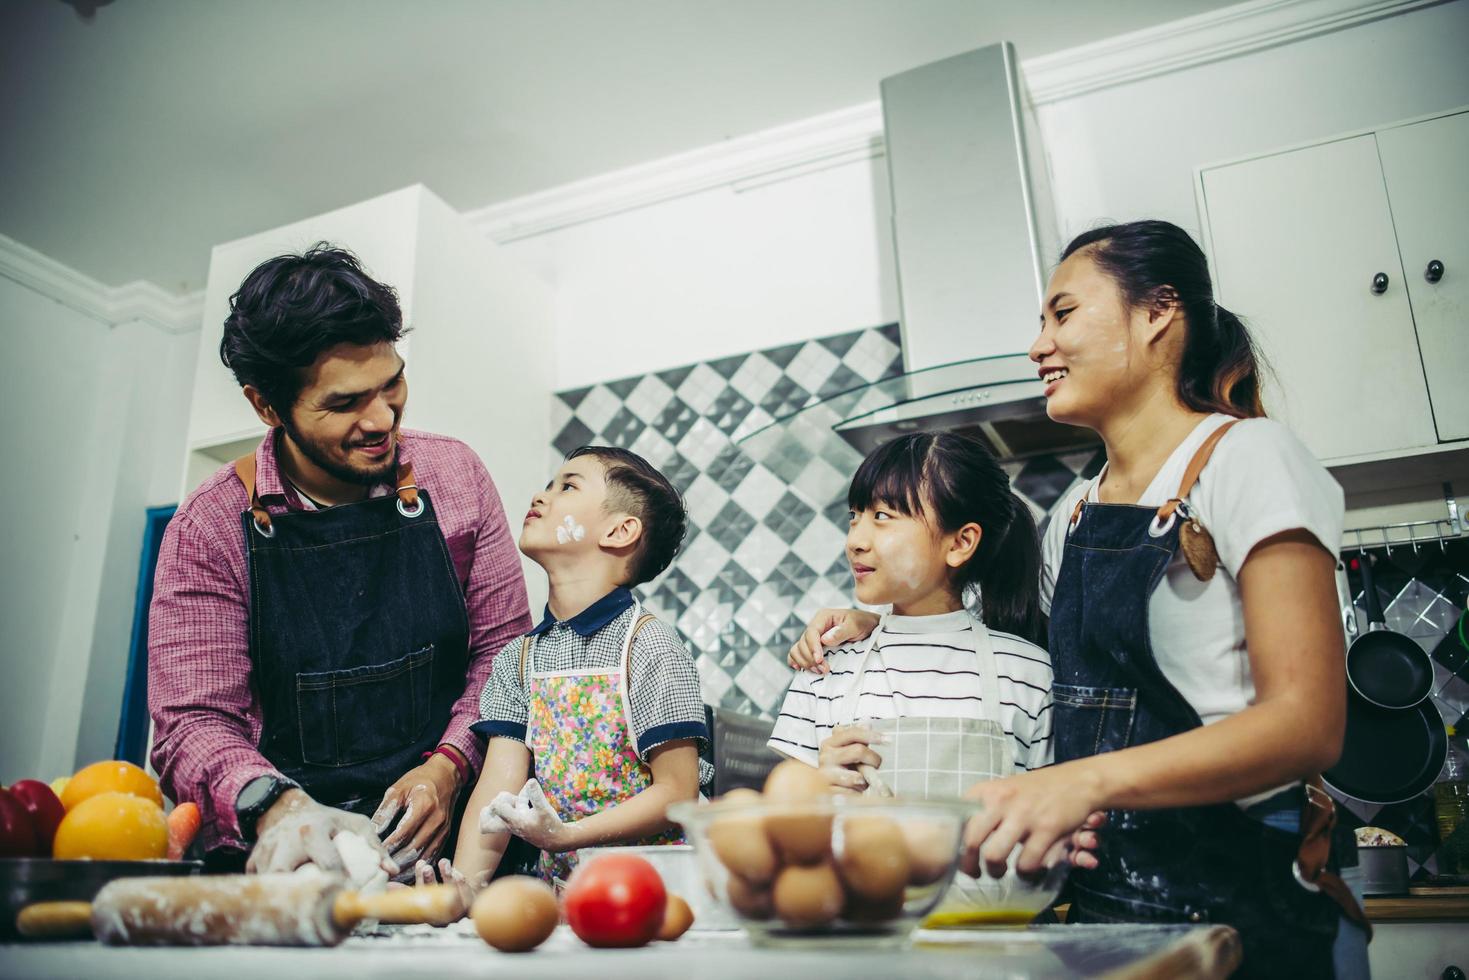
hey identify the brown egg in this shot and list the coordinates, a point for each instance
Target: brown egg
(874, 860)
(677, 917)
(808, 896)
(931, 850)
(740, 795)
(752, 901)
(741, 844)
(798, 837)
(515, 914)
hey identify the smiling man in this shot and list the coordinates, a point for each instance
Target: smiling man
(326, 608)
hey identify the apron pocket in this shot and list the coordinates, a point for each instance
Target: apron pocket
(1091, 720)
(351, 716)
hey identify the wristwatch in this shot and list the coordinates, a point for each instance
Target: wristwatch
(258, 796)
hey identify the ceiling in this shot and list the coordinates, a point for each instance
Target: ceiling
(135, 141)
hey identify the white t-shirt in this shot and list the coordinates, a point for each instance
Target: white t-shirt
(923, 666)
(1260, 481)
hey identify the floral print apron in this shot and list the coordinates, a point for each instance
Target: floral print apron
(580, 733)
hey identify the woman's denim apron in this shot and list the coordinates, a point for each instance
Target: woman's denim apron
(1190, 864)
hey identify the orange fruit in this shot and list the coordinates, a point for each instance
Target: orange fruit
(112, 827)
(111, 776)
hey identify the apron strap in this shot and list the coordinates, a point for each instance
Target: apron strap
(407, 490)
(1318, 816)
(1195, 467)
(854, 693)
(245, 470)
(989, 672)
(525, 642)
(642, 619)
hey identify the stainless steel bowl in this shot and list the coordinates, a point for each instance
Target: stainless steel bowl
(26, 881)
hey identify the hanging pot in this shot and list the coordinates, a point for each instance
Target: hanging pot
(1386, 668)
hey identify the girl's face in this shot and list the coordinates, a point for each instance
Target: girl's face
(1095, 355)
(905, 560)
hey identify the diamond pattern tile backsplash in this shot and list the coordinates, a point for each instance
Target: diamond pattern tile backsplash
(764, 549)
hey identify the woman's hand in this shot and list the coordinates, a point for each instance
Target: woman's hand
(843, 751)
(829, 628)
(1048, 812)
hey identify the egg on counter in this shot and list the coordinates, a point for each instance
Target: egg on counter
(799, 838)
(515, 914)
(677, 918)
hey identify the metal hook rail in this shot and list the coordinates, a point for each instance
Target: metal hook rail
(1415, 534)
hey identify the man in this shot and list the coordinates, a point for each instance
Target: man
(326, 609)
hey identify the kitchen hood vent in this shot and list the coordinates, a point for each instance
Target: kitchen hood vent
(973, 229)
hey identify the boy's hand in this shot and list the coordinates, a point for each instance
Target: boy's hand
(528, 816)
(843, 752)
(423, 874)
(829, 628)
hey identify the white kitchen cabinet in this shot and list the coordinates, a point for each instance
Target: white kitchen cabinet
(1322, 251)
(1425, 165)
(479, 354)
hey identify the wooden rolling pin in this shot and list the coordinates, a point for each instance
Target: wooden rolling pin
(215, 910)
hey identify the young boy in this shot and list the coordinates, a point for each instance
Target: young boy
(594, 717)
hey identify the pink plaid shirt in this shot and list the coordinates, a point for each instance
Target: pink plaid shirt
(206, 715)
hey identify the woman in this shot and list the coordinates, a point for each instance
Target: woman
(1193, 622)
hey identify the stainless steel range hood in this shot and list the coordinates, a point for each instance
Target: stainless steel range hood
(974, 232)
(973, 226)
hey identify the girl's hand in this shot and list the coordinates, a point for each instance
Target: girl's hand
(531, 817)
(829, 628)
(423, 874)
(1046, 812)
(843, 751)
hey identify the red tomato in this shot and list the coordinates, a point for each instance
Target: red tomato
(45, 809)
(17, 833)
(615, 900)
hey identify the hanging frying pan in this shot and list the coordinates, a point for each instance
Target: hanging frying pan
(1390, 754)
(1386, 668)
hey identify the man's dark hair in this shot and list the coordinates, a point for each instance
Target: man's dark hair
(635, 487)
(292, 307)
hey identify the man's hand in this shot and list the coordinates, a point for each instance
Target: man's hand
(425, 795)
(829, 628)
(297, 830)
(529, 816)
(842, 755)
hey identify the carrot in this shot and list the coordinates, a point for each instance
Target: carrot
(183, 824)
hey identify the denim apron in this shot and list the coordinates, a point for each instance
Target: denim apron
(580, 733)
(1189, 864)
(359, 639)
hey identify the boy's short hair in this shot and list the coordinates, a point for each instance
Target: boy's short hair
(634, 486)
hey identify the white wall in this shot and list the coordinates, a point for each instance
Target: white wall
(89, 413)
(725, 270)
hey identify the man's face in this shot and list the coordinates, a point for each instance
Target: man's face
(346, 418)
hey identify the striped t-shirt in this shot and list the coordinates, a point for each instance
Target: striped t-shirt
(922, 666)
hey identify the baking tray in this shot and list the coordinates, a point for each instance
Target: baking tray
(25, 881)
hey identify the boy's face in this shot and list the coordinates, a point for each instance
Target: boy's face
(569, 516)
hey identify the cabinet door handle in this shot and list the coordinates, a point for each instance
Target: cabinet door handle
(1434, 272)
(1379, 284)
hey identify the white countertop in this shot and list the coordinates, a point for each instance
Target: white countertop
(422, 951)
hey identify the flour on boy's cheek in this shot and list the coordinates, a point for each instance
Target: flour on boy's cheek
(569, 530)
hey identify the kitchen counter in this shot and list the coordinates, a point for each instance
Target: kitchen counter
(1425, 904)
(422, 951)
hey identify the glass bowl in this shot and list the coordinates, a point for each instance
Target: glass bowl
(1011, 900)
(840, 870)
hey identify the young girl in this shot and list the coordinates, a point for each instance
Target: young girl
(1193, 624)
(932, 518)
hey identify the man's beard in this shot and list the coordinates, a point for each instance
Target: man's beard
(347, 474)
